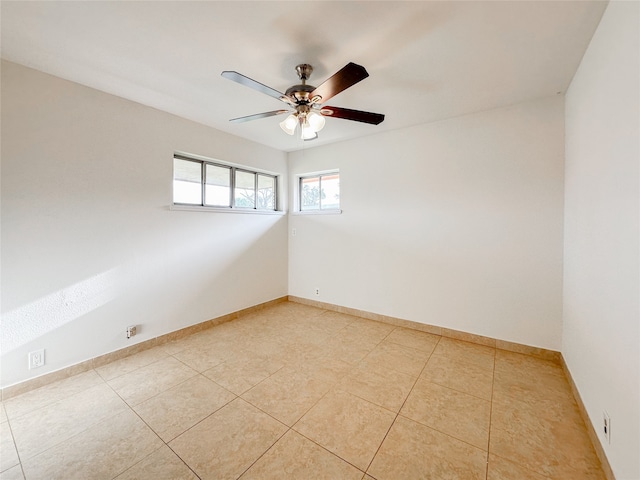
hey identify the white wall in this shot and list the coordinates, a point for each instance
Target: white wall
(89, 245)
(456, 224)
(601, 337)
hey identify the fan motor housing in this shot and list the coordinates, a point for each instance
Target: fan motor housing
(300, 92)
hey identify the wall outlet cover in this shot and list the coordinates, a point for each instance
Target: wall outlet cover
(36, 359)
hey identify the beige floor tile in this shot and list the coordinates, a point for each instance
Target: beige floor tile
(414, 451)
(141, 384)
(422, 341)
(367, 329)
(333, 322)
(101, 452)
(348, 348)
(530, 385)
(298, 353)
(63, 419)
(14, 473)
(520, 363)
(8, 454)
(288, 394)
(311, 338)
(348, 426)
(3, 413)
(131, 363)
(536, 405)
(174, 411)
(461, 376)
(240, 375)
(51, 393)
(397, 357)
(501, 469)
(228, 442)
(180, 344)
(479, 355)
(162, 464)
(382, 386)
(557, 448)
(326, 368)
(294, 457)
(203, 358)
(458, 414)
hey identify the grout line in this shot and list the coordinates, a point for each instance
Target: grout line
(329, 451)
(493, 383)
(403, 404)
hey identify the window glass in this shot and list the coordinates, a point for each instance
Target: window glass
(218, 185)
(245, 193)
(222, 185)
(187, 182)
(319, 192)
(310, 193)
(330, 192)
(266, 192)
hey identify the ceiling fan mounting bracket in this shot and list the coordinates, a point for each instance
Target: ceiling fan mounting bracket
(304, 71)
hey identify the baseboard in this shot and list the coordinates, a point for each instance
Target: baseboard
(550, 355)
(66, 372)
(593, 434)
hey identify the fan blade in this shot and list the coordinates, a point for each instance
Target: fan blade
(248, 118)
(251, 83)
(349, 75)
(356, 115)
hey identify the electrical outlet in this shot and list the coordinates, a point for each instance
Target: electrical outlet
(36, 359)
(606, 426)
(317, 290)
(131, 331)
(293, 232)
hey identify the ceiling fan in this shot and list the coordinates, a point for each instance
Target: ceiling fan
(306, 103)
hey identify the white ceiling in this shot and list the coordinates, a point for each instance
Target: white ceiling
(427, 60)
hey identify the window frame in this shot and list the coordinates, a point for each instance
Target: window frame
(231, 207)
(298, 193)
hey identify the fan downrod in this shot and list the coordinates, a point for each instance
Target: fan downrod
(300, 93)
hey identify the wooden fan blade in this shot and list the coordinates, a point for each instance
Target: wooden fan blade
(349, 75)
(356, 115)
(251, 83)
(248, 118)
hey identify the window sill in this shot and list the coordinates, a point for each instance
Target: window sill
(250, 211)
(317, 212)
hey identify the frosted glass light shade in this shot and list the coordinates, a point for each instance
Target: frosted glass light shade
(316, 121)
(289, 124)
(307, 132)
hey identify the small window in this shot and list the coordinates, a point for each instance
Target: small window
(319, 192)
(245, 193)
(197, 182)
(266, 192)
(187, 182)
(217, 192)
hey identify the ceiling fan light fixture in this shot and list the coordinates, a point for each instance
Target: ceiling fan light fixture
(306, 132)
(289, 124)
(316, 121)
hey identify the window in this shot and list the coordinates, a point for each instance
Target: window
(319, 192)
(208, 184)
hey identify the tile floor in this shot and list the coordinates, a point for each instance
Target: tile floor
(298, 392)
